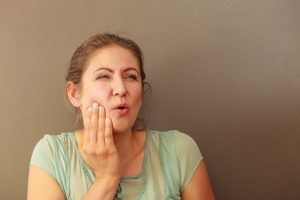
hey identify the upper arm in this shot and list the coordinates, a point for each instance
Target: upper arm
(42, 186)
(199, 188)
(48, 170)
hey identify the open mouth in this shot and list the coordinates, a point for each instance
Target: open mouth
(121, 107)
(122, 110)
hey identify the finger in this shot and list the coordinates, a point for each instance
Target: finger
(109, 140)
(86, 116)
(86, 137)
(94, 124)
(101, 126)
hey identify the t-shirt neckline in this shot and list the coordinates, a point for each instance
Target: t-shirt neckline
(123, 178)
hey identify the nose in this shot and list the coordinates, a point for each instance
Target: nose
(119, 87)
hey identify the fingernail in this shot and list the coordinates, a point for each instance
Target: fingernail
(95, 105)
(89, 109)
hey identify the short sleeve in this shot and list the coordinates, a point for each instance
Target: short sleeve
(189, 157)
(49, 154)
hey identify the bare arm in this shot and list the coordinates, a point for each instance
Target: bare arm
(199, 187)
(42, 186)
(99, 152)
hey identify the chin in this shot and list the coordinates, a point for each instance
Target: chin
(120, 126)
(122, 123)
(117, 130)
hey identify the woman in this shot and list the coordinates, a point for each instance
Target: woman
(110, 158)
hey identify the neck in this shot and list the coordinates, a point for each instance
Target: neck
(126, 143)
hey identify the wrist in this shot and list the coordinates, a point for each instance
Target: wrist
(109, 181)
(102, 188)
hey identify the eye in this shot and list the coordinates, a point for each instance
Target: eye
(102, 77)
(131, 77)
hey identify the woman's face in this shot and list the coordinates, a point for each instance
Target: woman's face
(112, 79)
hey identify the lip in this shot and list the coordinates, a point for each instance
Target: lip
(124, 110)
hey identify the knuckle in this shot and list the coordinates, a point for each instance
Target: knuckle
(101, 151)
(112, 152)
(93, 127)
(107, 136)
(100, 131)
(89, 149)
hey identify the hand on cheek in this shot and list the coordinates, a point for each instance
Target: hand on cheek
(85, 111)
(100, 152)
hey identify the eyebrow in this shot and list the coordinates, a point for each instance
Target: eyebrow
(110, 70)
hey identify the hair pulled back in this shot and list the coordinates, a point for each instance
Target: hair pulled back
(82, 54)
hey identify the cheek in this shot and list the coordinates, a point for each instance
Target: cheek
(92, 95)
(138, 96)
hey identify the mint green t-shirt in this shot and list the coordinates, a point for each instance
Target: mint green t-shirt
(170, 160)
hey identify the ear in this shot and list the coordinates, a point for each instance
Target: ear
(73, 94)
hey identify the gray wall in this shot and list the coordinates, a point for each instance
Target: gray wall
(225, 72)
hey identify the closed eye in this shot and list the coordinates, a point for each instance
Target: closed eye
(131, 77)
(102, 77)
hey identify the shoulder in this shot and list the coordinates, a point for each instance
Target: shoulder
(180, 154)
(51, 155)
(55, 139)
(183, 143)
(54, 142)
(50, 147)
(175, 136)
(168, 134)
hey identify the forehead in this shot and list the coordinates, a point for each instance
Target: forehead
(113, 57)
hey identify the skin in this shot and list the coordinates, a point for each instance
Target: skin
(107, 143)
